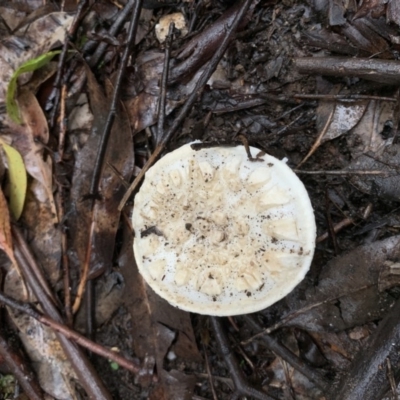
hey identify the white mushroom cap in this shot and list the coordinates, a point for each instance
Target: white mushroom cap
(162, 27)
(219, 234)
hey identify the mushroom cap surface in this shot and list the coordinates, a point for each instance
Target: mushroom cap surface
(219, 234)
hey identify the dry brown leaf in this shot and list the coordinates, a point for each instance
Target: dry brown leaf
(174, 385)
(376, 43)
(148, 310)
(142, 107)
(45, 235)
(375, 8)
(6, 244)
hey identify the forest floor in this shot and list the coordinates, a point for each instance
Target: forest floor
(315, 82)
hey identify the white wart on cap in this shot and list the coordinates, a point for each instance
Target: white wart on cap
(219, 234)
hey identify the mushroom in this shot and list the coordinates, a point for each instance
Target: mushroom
(162, 27)
(220, 234)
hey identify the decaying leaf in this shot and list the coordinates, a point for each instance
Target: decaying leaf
(348, 293)
(346, 115)
(366, 136)
(362, 120)
(28, 139)
(17, 178)
(158, 328)
(46, 235)
(374, 7)
(371, 152)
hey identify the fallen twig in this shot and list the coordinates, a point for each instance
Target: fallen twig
(336, 228)
(163, 86)
(342, 97)
(318, 141)
(383, 71)
(343, 172)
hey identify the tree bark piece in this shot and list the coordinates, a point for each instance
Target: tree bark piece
(382, 71)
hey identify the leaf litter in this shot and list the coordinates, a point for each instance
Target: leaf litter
(82, 244)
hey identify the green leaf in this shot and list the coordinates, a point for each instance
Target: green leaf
(18, 179)
(114, 366)
(29, 66)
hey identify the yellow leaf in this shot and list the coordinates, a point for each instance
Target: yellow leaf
(18, 179)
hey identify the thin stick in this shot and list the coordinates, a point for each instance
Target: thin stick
(63, 126)
(391, 379)
(343, 172)
(336, 228)
(62, 59)
(122, 15)
(330, 223)
(85, 271)
(98, 167)
(164, 80)
(61, 210)
(345, 97)
(319, 138)
(212, 65)
(209, 374)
